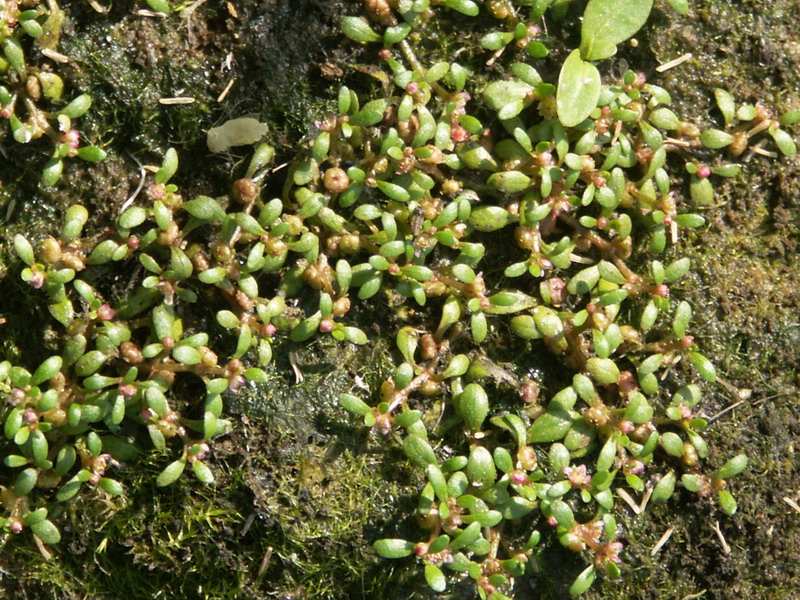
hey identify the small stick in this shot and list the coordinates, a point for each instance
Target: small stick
(298, 374)
(264, 563)
(791, 503)
(580, 259)
(725, 548)
(693, 596)
(662, 540)
(42, 548)
(56, 56)
(674, 63)
(629, 501)
(759, 128)
(645, 499)
(247, 523)
(143, 12)
(227, 89)
(177, 100)
(761, 152)
(132, 197)
(674, 142)
(97, 7)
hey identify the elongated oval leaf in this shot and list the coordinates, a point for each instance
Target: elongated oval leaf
(46, 531)
(393, 548)
(609, 22)
(578, 90)
(171, 472)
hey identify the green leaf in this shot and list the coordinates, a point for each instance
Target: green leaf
(480, 467)
(46, 370)
(490, 218)
(703, 366)
(499, 94)
(205, 208)
(582, 582)
(473, 406)
(733, 467)
(789, 118)
(603, 370)
(111, 486)
(435, 578)
(690, 220)
(202, 472)
(677, 269)
(89, 363)
(784, 142)
(466, 537)
(78, 107)
(92, 153)
(549, 427)
(419, 451)
(664, 488)
(24, 250)
(25, 482)
(726, 104)
(664, 118)
(46, 531)
(186, 355)
(171, 473)
(496, 40)
(371, 113)
(353, 404)
(465, 7)
(52, 171)
(584, 281)
(358, 30)
(701, 190)
(607, 23)
(180, 264)
(680, 6)
(393, 548)
(727, 502)
(672, 444)
(394, 191)
(578, 90)
(714, 138)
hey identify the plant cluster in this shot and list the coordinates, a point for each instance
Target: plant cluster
(524, 213)
(27, 91)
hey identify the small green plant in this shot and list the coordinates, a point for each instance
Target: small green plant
(27, 91)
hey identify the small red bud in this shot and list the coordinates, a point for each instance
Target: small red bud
(661, 290)
(518, 477)
(703, 171)
(105, 313)
(458, 134)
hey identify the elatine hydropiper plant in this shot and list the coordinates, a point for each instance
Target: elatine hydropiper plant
(519, 213)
